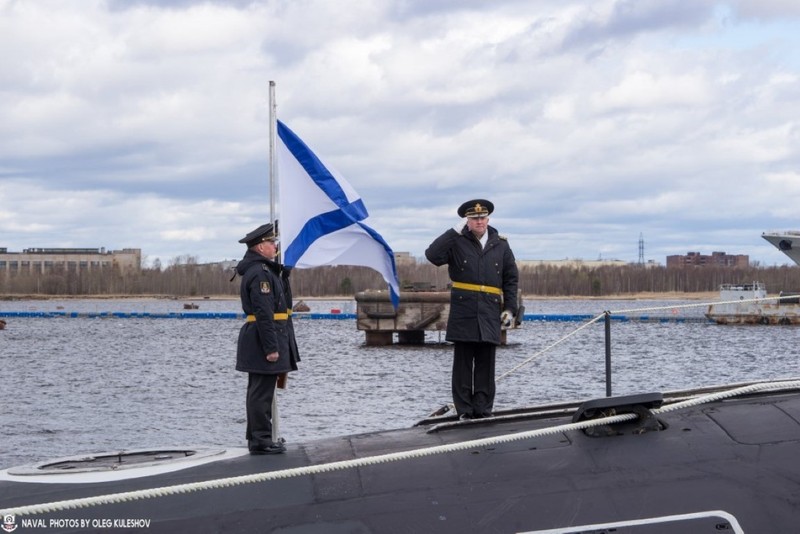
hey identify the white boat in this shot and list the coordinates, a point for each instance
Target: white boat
(787, 242)
(749, 304)
(743, 304)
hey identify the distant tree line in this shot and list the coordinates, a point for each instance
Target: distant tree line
(186, 278)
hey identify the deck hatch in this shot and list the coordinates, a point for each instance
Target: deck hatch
(114, 461)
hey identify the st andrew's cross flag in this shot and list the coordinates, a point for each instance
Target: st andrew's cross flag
(322, 218)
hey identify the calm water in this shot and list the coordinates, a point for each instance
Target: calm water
(78, 385)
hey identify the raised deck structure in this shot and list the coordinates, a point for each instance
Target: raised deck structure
(419, 311)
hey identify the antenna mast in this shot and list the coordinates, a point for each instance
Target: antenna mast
(641, 249)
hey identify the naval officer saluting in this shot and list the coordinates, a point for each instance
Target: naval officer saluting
(264, 349)
(483, 299)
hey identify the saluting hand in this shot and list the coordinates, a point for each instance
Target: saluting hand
(272, 357)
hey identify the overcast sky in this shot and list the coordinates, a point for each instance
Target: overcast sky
(588, 123)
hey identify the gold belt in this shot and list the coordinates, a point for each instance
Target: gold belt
(275, 316)
(477, 287)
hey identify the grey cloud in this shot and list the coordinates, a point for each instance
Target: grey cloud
(162, 137)
(628, 18)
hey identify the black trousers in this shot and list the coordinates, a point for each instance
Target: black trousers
(260, 392)
(473, 378)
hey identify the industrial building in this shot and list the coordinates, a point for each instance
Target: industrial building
(45, 260)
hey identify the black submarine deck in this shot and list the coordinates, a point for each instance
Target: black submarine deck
(725, 466)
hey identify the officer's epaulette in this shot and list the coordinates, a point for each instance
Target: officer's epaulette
(265, 266)
(504, 238)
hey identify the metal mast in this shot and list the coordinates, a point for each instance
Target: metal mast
(273, 177)
(641, 249)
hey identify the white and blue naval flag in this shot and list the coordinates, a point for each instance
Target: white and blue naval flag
(322, 218)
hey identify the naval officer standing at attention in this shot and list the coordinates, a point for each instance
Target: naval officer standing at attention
(483, 299)
(264, 349)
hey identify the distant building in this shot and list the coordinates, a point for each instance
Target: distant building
(44, 260)
(225, 265)
(716, 259)
(404, 258)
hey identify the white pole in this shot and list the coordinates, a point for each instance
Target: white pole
(276, 433)
(272, 188)
(273, 177)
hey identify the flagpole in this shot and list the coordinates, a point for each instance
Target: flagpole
(272, 166)
(273, 178)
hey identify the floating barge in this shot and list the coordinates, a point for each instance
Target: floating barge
(741, 304)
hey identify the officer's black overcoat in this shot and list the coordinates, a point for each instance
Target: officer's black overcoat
(263, 295)
(475, 315)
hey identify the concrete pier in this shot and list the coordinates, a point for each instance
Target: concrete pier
(419, 311)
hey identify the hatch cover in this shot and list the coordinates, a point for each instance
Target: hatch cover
(119, 464)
